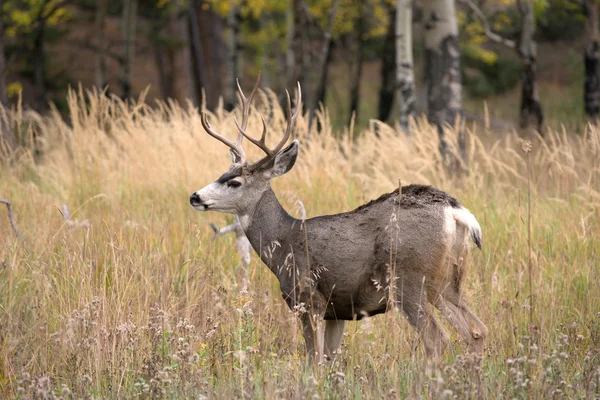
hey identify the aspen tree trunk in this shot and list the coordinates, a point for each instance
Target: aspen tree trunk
(531, 108)
(388, 70)
(442, 67)
(100, 65)
(405, 78)
(128, 29)
(591, 56)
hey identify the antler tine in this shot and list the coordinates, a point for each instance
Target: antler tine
(247, 101)
(261, 144)
(290, 127)
(292, 118)
(237, 146)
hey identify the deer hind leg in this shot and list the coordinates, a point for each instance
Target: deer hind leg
(334, 330)
(450, 302)
(420, 316)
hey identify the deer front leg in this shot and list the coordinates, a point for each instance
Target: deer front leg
(313, 329)
(313, 324)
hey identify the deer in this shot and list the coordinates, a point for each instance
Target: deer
(406, 250)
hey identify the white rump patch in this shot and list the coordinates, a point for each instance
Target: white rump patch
(468, 220)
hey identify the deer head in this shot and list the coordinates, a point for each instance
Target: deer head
(240, 188)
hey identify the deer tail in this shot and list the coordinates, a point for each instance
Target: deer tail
(465, 218)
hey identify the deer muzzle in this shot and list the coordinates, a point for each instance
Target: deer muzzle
(197, 203)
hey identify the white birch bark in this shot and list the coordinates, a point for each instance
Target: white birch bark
(442, 67)
(405, 79)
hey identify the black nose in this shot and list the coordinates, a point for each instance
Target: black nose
(194, 199)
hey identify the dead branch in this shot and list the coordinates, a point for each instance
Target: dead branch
(493, 36)
(11, 217)
(242, 243)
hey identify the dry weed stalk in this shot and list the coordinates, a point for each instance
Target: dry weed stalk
(11, 218)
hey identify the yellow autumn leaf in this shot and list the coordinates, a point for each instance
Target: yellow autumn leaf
(13, 89)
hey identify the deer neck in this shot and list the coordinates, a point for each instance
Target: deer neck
(269, 228)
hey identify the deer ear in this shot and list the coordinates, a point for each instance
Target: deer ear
(284, 160)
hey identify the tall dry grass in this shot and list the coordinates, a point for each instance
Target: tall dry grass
(140, 302)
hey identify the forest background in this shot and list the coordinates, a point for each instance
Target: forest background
(345, 54)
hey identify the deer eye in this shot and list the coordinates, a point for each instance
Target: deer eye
(234, 184)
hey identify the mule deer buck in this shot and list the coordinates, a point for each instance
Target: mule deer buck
(407, 249)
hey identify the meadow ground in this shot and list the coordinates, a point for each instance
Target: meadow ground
(131, 298)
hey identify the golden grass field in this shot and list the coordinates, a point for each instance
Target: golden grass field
(139, 302)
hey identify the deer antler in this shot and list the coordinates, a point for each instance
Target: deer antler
(234, 146)
(270, 153)
(246, 102)
(260, 143)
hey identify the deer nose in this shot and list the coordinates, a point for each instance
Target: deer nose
(195, 199)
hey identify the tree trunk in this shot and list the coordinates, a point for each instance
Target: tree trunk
(357, 63)
(591, 58)
(405, 78)
(179, 56)
(301, 50)
(100, 65)
(39, 54)
(210, 27)
(290, 60)
(164, 73)
(265, 52)
(3, 89)
(128, 30)
(388, 65)
(442, 68)
(199, 72)
(7, 139)
(531, 108)
(234, 20)
(324, 60)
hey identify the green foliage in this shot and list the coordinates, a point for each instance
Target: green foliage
(485, 76)
(247, 8)
(484, 73)
(21, 17)
(377, 12)
(562, 20)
